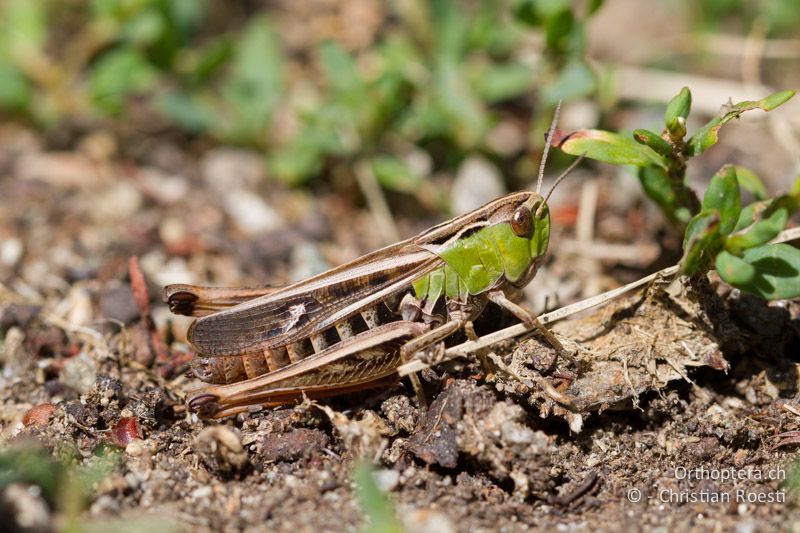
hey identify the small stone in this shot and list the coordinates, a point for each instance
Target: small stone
(13, 355)
(60, 169)
(515, 433)
(136, 448)
(507, 138)
(10, 251)
(79, 373)
(172, 231)
(250, 213)
(477, 182)
(225, 169)
(202, 493)
(293, 444)
(386, 479)
(166, 189)
(81, 310)
(117, 203)
(427, 521)
(117, 303)
(80, 414)
(24, 509)
(306, 261)
(220, 448)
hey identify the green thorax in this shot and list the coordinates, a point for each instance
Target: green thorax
(475, 263)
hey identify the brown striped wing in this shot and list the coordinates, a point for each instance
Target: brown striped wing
(310, 306)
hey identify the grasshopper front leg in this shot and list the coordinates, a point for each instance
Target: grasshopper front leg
(529, 319)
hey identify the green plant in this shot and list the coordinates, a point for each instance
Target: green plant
(439, 77)
(65, 485)
(718, 231)
(377, 508)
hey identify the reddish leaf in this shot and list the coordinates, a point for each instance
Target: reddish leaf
(38, 415)
(125, 430)
(138, 286)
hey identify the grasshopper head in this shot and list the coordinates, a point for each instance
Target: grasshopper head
(531, 220)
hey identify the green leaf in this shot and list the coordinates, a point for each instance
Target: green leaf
(209, 58)
(24, 26)
(118, 74)
(734, 270)
(594, 5)
(701, 235)
(709, 134)
(466, 116)
(297, 162)
(189, 112)
(254, 88)
(558, 28)
(679, 106)
(654, 141)
(723, 195)
(495, 83)
(657, 187)
(15, 90)
(341, 71)
(187, 15)
(377, 508)
(777, 271)
(144, 28)
(759, 223)
(611, 148)
(775, 100)
(575, 80)
(749, 181)
(394, 174)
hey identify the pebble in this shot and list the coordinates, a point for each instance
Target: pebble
(515, 433)
(11, 251)
(166, 189)
(137, 448)
(507, 138)
(202, 492)
(25, 507)
(477, 182)
(386, 479)
(172, 231)
(117, 203)
(60, 169)
(79, 373)
(117, 303)
(81, 312)
(306, 261)
(427, 521)
(250, 213)
(227, 169)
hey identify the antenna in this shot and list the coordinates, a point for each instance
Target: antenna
(547, 144)
(563, 175)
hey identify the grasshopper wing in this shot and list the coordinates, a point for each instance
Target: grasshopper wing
(313, 305)
(197, 301)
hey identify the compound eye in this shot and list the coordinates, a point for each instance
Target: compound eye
(521, 222)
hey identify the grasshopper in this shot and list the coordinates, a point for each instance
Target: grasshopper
(350, 328)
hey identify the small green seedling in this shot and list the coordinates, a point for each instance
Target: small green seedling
(718, 232)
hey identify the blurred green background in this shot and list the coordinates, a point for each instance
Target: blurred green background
(406, 88)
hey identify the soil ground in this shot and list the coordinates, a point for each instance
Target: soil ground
(676, 388)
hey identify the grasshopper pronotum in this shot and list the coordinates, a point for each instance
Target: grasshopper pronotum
(350, 328)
